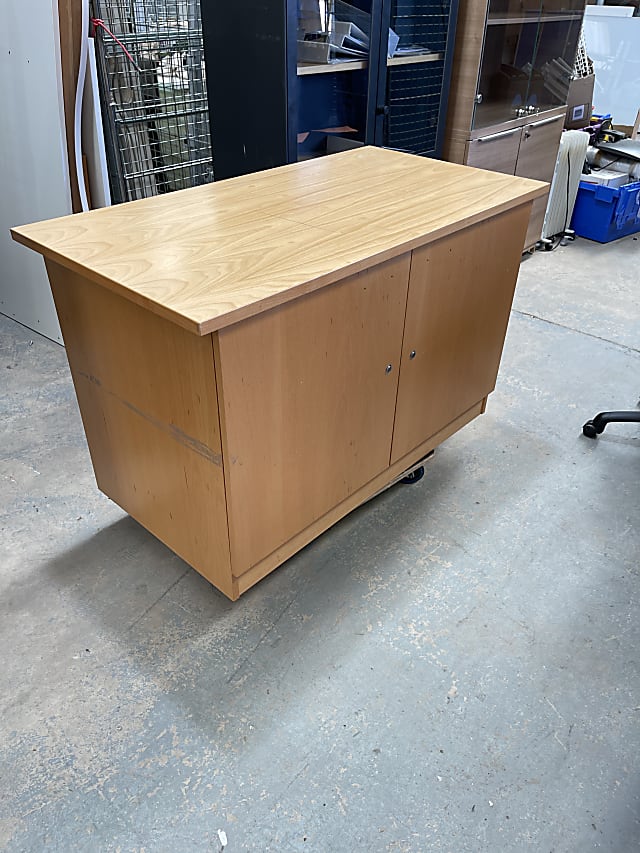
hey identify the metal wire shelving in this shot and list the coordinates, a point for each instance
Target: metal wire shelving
(154, 97)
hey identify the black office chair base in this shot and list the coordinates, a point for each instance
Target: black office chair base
(593, 428)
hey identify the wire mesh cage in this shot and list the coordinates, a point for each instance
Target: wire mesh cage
(153, 89)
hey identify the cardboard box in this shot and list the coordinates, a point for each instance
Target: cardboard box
(579, 102)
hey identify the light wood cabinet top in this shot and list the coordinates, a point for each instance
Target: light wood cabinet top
(210, 256)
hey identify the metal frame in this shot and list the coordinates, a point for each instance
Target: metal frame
(153, 91)
(382, 105)
(157, 104)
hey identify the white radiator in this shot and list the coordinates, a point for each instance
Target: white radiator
(564, 186)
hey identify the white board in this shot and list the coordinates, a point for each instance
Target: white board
(613, 43)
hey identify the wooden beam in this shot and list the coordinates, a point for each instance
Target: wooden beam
(70, 21)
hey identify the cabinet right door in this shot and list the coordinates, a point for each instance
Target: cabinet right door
(460, 293)
(537, 159)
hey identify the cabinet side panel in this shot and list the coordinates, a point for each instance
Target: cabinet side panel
(248, 55)
(460, 295)
(464, 78)
(457, 149)
(308, 405)
(140, 355)
(147, 395)
(536, 221)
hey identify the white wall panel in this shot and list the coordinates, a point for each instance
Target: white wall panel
(34, 181)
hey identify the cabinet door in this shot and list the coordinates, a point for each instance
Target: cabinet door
(507, 61)
(557, 41)
(537, 159)
(460, 294)
(414, 82)
(495, 151)
(308, 405)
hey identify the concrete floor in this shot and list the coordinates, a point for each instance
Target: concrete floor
(453, 667)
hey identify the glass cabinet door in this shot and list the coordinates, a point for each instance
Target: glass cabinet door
(528, 57)
(560, 23)
(414, 74)
(507, 62)
(373, 72)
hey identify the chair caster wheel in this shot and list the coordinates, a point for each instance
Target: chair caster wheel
(589, 430)
(414, 476)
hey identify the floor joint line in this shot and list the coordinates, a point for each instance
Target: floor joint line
(577, 331)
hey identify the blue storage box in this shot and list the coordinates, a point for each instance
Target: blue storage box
(606, 213)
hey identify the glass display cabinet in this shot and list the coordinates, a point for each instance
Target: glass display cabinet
(512, 69)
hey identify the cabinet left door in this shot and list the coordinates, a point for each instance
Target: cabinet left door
(308, 393)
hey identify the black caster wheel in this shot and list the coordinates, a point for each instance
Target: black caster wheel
(589, 430)
(414, 476)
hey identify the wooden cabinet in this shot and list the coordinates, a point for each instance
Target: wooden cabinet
(254, 359)
(521, 151)
(339, 375)
(509, 88)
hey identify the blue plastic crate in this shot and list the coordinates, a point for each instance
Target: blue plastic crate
(606, 213)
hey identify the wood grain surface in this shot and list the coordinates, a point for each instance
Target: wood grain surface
(209, 256)
(147, 395)
(539, 148)
(369, 490)
(467, 57)
(537, 159)
(499, 154)
(460, 294)
(70, 23)
(308, 404)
